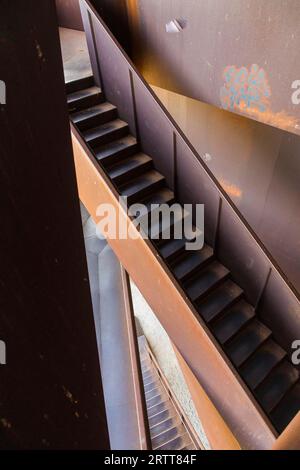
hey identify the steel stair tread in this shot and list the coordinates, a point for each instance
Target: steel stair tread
(287, 408)
(208, 278)
(112, 151)
(247, 342)
(276, 385)
(154, 410)
(127, 168)
(84, 98)
(232, 321)
(138, 187)
(149, 386)
(159, 196)
(79, 84)
(256, 369)
(163, 228)
(95, 134)
(81, 94)
(163, 426)
(167, 436)
(175, 444)
(160, 416)
(170, 249)
(154, 392)
(161, 397)
(219, 300)
(85, 116)
(191, 261)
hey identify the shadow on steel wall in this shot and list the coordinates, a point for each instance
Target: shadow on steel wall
(114, 13)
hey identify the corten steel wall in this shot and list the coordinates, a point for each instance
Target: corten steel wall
(51, 393)
(234, 241)
(113, 12)
(241, 55)
(68, 13)
(257, 165)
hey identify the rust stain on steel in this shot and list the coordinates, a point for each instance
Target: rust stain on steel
(176, 314)
(231, 189)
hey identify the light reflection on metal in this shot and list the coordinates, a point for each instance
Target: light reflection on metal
(175, 26)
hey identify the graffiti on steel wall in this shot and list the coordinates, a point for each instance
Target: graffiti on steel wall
(247, 90)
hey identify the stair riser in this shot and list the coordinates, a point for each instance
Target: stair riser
(214, 319)
(78, 85)
(201, 297)
(174, 257)
(160, 241)
(186, 277)
(109, 137)
(133, 173)
(224, 341)
(86, 102)
(137, 197)
(159, 418)
(239, 363)
(119, 155)
(254, 385)
(94, 121)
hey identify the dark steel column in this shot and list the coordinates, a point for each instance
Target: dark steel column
(51, 392)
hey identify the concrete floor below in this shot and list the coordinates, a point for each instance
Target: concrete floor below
(75, 54)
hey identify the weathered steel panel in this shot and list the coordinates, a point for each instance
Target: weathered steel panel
(238, 55)
(51, 395)
(257, 165)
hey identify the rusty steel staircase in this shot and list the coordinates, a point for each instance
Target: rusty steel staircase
(247, 341)
(168, 430)
(243, 318)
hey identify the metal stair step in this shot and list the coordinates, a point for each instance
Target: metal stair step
(154, 392)
(287, 408)
(130, 167)
(84, 98)
(139, 187)
(95, 115)
(276, 385)
(160, 417)
(160, 196)
(247, 342)
(79, 84)
(163, 225)
(191, 261)
(172, 249)
(163, 426)
(114, 151)
(150, 385)
(220, 299)
(177, 443)
(206, 280)
(106, 132)
(232, 321)
(166, 436)
(256, 369)
(154, 410)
